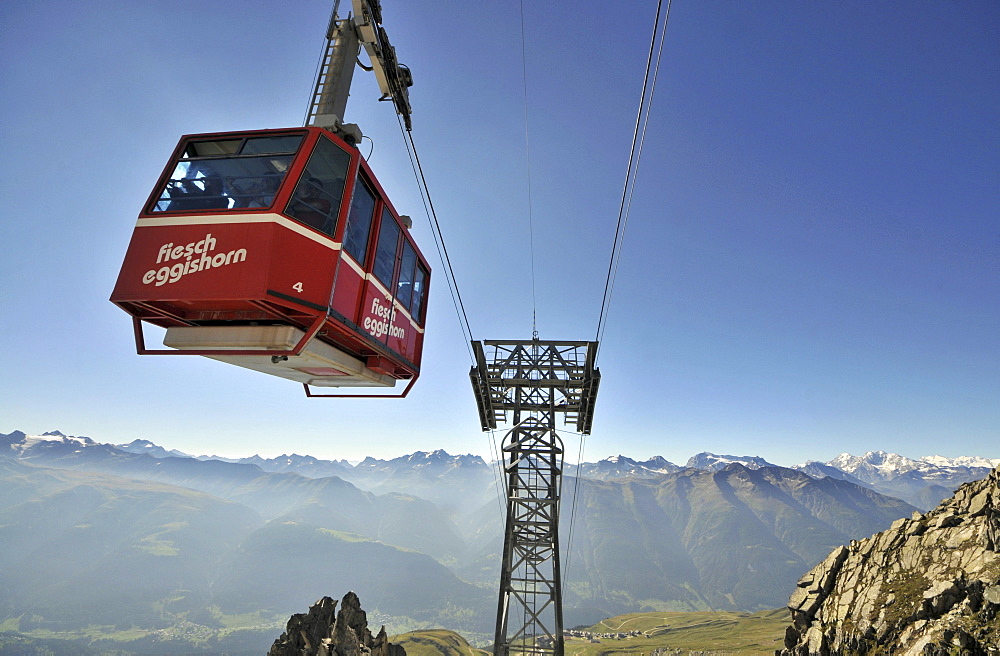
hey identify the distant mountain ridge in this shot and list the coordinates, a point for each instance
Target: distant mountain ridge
(922, 482)
(698, 539)
(304, 465)
(617, 467)
(714, 462)
(879, 464)
(147, 447)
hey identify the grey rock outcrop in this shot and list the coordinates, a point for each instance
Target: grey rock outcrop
(928, 585)
(325, 632)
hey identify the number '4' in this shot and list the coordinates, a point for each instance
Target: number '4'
(297, 287)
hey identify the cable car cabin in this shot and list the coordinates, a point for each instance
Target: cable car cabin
(277, 250)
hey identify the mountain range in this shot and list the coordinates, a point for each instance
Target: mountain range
(922, 482)
(138, 535)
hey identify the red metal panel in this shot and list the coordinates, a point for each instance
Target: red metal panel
(418, 347)
(347, 292)
(400, 336)
(193, 262)
(377, 317)
(302, 267)
(386, 323)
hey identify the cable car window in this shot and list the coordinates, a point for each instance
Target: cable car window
(404, 288)
(359, 221)
(267, 145)
(230, 173)
(212, 148)
(316, 201)
(419, 294)
(385, 253)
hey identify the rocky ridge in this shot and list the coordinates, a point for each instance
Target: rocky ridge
(927, 585)
(325, 632)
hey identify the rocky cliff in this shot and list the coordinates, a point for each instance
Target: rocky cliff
(325, 632)
(927, 585)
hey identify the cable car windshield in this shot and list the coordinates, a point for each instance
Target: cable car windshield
(419, 294)
(228, 173)
(359, 221)
(385, 252)
(316, 201)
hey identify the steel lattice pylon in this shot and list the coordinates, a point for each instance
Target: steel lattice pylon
(534, 381)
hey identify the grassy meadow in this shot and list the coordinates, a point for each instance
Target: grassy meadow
(683, 632)
(675, 633)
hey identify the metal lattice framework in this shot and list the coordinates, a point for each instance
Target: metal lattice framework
(534, 381)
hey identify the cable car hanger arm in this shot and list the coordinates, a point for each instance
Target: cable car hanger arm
(344, 39)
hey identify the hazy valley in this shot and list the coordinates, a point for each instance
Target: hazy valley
(103, 540)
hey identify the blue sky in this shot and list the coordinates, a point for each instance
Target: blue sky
(812, 261)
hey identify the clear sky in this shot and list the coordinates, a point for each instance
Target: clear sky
(812, 261)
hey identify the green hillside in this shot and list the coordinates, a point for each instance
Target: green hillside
(641, 633)
(719, 632)
(735, 539)
(435, 643)
(96, 557)
(293, 564)
(87, 549)
(403, 520)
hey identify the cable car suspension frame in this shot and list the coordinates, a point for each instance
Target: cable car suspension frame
(273, 315)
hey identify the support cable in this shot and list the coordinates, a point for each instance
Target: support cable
(425, 195)
(635, 155)
(456, 296)
(572, 512)
(638, 137)
(527, 158)
(498, 469)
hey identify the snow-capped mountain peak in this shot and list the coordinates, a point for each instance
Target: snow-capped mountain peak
(889, 465)
(885, 463)
(154, 450)
(962, 461)
(896, 475)
(57, 437)
(616, 467)
(619, 460)
(715, 462)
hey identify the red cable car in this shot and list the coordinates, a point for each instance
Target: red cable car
(278, 251)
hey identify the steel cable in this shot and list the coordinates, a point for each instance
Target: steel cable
(527, 158)
(442, 249)
(635, 155)
(638, 137)
(456, 296)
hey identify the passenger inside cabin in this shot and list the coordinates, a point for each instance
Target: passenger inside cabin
(255, 191)
(310, 206)
(198, 194)
(214, 197)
